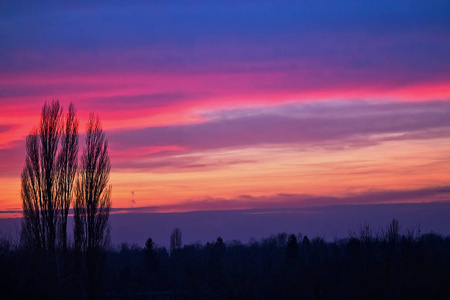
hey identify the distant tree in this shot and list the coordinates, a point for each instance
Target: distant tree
(92, 202)
(219, 242)
(393, 232)
(47, 178)
(175, 239)
(149, 245)
(292, 248)
(391, 238)
(150, 253)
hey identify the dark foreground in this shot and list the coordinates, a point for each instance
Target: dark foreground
(383, 264)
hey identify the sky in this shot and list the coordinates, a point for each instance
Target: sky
(235, 105)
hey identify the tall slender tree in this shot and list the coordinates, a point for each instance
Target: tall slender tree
(39, 188)
(67, 168)
(32, 223)
(47, 178)
(92, 201)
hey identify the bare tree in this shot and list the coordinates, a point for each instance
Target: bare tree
(92, 201)
(47, 178)
(40, 208)
(67, 168)
(175, 239)
(32, 228)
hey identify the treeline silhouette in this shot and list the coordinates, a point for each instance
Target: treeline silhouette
(388, 263)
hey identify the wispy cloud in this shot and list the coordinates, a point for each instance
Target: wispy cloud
(349, 124)
(289, 202)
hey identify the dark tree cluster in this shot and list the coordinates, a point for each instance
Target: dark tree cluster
(52, 183)
(383, 264)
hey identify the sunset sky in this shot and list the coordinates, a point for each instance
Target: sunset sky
(222, 105)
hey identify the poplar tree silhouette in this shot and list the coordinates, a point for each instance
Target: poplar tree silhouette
(67, 168)
(92, 202)
(47, 178)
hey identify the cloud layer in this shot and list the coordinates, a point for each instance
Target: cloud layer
(204, 100)
(309, 124)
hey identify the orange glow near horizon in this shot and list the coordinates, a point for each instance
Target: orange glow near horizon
(228, 173)
(389, 166)
(260, 171)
